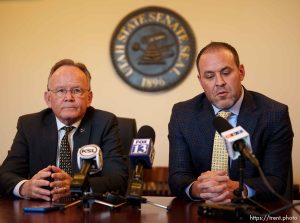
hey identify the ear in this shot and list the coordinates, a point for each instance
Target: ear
(199, 79)
(90, 98)
(242, 72)
(47, 98)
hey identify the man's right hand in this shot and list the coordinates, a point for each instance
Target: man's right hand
(212, 186)
(33, 188)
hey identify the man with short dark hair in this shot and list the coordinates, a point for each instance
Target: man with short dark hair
(194, 160)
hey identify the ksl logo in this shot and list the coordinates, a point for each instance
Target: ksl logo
(88, 151)
(140, 146)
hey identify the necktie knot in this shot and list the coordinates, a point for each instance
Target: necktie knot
(224, 114)
(68, 129)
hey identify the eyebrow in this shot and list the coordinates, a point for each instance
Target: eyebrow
(225, 68)
(210, 71)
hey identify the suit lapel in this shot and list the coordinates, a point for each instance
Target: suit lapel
(247, 119)
(205, 116)
(49, 139)
(81, 138)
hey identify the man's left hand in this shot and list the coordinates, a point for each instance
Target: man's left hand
(217, 188)
(61, 183)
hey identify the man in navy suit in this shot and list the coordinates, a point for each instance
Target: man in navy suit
(191, 133)
(34, 155)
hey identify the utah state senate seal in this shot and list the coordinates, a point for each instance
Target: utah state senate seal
(153, 49)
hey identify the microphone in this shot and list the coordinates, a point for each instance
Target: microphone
(237, 140)
(141, 157)
(142, 150)
(89, 161)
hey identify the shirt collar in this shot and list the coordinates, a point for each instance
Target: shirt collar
(61, 125)
(235, 109)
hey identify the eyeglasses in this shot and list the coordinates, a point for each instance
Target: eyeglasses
(76, 92)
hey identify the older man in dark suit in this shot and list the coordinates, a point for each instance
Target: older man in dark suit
(191, 133)
(36, 153)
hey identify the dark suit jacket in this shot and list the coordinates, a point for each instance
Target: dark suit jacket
(35, 147)
(191, 135)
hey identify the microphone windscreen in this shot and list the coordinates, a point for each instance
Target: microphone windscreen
(221, 124)
(146, 132)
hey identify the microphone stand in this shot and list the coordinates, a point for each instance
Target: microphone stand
(80, 189)
(239, 208)
(134, 195)
(239, 191)
(108, 199)
(243, 207)
(114, 201)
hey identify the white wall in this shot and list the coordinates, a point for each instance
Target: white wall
(34, 34)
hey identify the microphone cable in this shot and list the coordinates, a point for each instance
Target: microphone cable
(286, 207)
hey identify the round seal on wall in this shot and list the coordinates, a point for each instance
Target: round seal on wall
(153, 49)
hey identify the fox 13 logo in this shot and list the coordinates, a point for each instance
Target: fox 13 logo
(153, 49)
(140, 146)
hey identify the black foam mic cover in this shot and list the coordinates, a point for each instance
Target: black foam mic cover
(145, 132)
(221, 124)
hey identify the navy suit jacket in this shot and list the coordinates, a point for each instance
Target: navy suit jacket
(35, 147)
(191, 134)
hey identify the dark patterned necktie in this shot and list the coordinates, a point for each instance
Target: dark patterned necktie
(65, 158)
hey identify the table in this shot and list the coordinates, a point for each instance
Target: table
(181, 211)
